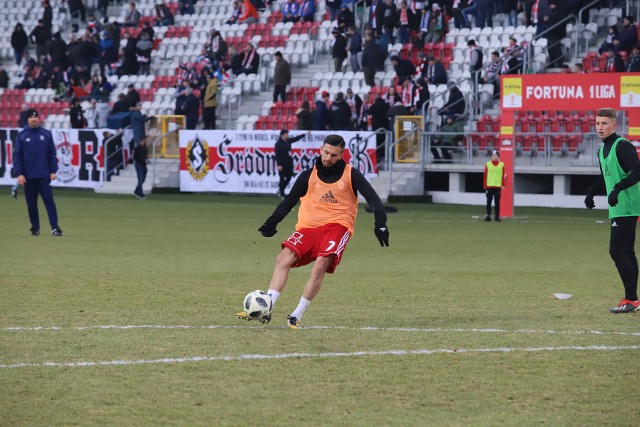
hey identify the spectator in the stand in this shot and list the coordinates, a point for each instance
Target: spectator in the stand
(87, 52)
(210, 102)
(555, 34)
(376, 16)
(40, 37)
(379, 112)
(281, 77)
(614, 63)
(190, 108)
(403, 68)
(340, 114)
(389, 22)
(565, 69)
(58, 51)
(321, 114)
(103, 111)
(355, 47)
(250, 60)
(4, 77)
(421, 97)
(345, 18)
(406, 94)
(132, 96)
(470, 9)
(148, 30)
(435, 73)
(235, 13)
(628, 36)
(511, 63)
(421, 68)
(217, 49)
(284, 160)
(612, 36)
(132, 17)
(405, 18)
(475, 60)
(121, 105)
(143, 54)
(339, 50)
(47, 16)
(77, 9)
(307, 10)
(103, 6)
(180, 95)
(99, 91)
(19, 42)
(130, 62)
(579, 69)
(371, 57)
(304, 117)
(492, 73)
(355, 105)
(91, 114)
(334, 8)
(93, 26)
(456, 104)
(249, 14)
(290, 11)
(392, 98)
(108, 52)
(435, 24)
(484, 15)
(510, 8)
(164, 17)
(452, 136)
(633, 62)
(76, 115)
(185, 7)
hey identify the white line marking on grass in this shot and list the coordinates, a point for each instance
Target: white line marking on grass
(314, 355)
(338, 327)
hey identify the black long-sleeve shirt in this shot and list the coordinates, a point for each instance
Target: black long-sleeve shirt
(628, 160)
(330, 175)
(283, 148)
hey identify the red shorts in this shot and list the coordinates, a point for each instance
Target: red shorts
(310, 243)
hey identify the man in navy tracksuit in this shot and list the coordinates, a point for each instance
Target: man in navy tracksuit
(36, 165)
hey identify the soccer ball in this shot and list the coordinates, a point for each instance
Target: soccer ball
(257, 304)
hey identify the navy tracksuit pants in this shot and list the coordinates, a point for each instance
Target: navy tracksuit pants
(42, 186)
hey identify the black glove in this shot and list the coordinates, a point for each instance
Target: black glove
(588, 202)
(613, 197)
(267, 229)
(382, 233)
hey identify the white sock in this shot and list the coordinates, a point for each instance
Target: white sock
(302, 306)
(274, 295)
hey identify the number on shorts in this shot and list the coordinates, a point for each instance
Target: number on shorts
(332, 243)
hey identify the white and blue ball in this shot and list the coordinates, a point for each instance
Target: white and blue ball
(257, 304)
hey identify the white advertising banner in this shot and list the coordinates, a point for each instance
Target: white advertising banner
(244, 161)
(80, 156)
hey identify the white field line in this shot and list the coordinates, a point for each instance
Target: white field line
(315, 355)
(337, 327)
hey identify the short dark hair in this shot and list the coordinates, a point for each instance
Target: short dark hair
(609, 113)
(335, 140)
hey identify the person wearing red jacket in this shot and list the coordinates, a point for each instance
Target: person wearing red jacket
(249, 14)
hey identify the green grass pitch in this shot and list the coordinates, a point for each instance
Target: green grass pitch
(129, 319)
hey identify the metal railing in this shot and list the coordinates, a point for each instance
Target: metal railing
(110, 154)
(576, 38)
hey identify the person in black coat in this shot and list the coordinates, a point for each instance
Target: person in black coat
(403, 67)
(321, 114)
(76, 115)
(455, 105)
(190, 109)
(379, 112)
(58, 51)
(19, 42)
(339, 51)
(284, 159)
(371, 56)
(628, 36)
(633, 63)
(614, 63)
(47, 15)
(340, 114)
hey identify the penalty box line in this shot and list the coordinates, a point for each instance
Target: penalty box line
(328, 327)
(242, 357)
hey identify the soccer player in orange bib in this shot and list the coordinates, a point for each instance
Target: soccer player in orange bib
(328, 196)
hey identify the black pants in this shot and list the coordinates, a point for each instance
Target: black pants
(622, 240)
(209, 117)
(493, 194)
(280, 90)
(141, 173)
(285, 177)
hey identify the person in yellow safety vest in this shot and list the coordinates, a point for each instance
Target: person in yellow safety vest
(493, 181)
